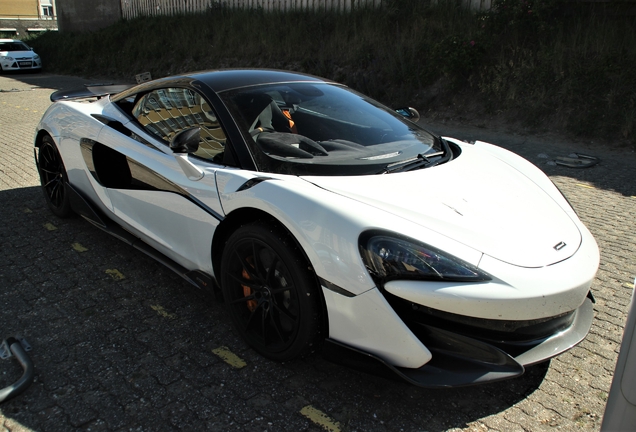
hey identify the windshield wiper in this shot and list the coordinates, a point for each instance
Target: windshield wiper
(407, 165)
(421, 161)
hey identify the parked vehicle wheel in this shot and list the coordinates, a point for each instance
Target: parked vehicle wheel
(270, 292)
(53, 179)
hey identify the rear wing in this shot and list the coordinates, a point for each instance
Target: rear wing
(90, 91)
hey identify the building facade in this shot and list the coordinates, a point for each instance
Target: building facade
(21, 18)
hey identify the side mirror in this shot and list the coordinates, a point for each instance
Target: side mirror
(186, 141)
(183, 143)
(410, 113)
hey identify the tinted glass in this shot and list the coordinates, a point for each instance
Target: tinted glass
(166, 112)
(13, 46)
(324, 129)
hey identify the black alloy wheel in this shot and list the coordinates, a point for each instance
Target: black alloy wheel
(53, 179)
(270, 292)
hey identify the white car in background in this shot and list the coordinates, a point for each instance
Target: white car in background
(15, 55)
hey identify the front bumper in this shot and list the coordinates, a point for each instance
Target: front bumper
(460, 360)
(18, 65)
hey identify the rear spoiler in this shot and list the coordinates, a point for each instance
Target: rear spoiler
(90, 91)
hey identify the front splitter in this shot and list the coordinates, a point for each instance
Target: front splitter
(462, 361)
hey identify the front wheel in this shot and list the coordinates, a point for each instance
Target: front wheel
(271, 293)
(53, 179)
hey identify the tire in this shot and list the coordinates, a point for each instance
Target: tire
(270, 292)
(53, 179)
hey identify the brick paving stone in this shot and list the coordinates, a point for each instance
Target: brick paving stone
(107, 360)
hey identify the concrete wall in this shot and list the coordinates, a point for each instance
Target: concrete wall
(21, 28)
(87, 15)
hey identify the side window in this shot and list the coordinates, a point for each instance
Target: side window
(166, 112)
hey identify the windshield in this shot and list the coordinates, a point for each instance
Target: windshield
(325, 129)
(13, 46)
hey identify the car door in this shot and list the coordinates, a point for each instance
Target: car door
(151, 194)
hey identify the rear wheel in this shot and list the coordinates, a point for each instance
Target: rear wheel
(270, 292)
(53, 179)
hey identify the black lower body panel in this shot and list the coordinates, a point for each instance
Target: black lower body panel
(457, 361)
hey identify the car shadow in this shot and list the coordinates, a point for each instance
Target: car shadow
(120, 341)
(407, 407)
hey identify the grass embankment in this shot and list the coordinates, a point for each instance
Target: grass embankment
(531, 61)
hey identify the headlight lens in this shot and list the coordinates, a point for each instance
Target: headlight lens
(7, 58)
(390, 257)
(36, 57)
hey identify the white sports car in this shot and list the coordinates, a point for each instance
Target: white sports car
(329, 221)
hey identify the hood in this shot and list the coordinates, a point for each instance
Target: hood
(477, 200)
(18, 54)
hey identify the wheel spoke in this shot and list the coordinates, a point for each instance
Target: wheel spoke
(247, 282)
(250, 320)
(281, 290)
(285, 313)
(242, 299)
(57, 193)
(258, 262)
(263, 330)
(44, 154)
(54, 173)
(53, 180)
(54, 198)
(247, 267)
(276, 326)
(271, 271)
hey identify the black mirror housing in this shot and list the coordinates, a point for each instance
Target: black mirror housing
(186, 141)
(410, 113)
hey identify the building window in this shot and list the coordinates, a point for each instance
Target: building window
(47, 11)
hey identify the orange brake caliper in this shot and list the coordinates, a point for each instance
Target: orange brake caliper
(247, 291)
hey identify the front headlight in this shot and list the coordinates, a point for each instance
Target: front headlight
(36, 57)
(7, 58)
(389, 256)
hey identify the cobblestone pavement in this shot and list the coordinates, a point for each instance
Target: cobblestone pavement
(121, 343)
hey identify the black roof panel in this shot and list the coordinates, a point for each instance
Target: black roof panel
(221, 80)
